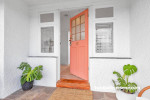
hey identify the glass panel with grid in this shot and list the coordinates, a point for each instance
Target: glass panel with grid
(78, 28)
(104, 37)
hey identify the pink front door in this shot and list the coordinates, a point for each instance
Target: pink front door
(79, 45)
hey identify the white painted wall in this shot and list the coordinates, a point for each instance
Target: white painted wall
(101, 73)
(16, 43)
(49, 70)
(1, 47)
(140, 39)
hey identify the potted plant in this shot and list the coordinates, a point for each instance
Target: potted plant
(29, 75)
(125, 89)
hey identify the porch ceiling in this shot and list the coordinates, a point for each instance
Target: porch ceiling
(42, 2)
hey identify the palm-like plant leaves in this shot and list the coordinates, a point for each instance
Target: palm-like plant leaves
(28, 74)
(25, 66)
(132, 87)
(129, 69)
(120, 79)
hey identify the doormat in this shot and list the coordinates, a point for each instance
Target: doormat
(71, 94)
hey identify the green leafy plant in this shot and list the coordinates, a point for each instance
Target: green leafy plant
(28, 74)
(123, 81)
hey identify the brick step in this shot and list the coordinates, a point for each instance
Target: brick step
(74, 84)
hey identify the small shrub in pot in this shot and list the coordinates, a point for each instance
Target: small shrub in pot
(29, 75)
(125, 90)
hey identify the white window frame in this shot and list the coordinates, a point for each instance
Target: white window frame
(56, 25)
(93, 30)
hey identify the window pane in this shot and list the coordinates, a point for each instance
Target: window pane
(73, 30)
(73, 37)
(47, 39)
(104, 38)
(47, 17)
(78, 21)
(82, 35)
(82, 18)
(77, 29)
(77, 36)
(83, 27)
(73, 23)
(104, 12)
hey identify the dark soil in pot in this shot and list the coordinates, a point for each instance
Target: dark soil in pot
(27, 86)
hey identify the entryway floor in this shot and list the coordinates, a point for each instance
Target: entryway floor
(44, 93)
(68, 80)
(65, 73)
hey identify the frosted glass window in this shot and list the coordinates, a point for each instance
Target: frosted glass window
(104, 38)
(104, 12)
(47, 39)
(49, 17)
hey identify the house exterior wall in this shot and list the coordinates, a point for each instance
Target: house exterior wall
(96, 64)
(140, 39)
(16, 44)
(1, 47)
(49, 70)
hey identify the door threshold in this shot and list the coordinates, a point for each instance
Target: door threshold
(73, 84)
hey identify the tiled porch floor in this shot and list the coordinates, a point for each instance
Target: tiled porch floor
(44, 93)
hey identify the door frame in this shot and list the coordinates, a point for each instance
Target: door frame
(58, 63)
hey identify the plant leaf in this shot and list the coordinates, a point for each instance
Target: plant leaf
(133, 87)
(129, 69)
(120, 79)
(23, 80)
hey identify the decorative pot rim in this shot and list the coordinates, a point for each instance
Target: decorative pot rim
(126, 93)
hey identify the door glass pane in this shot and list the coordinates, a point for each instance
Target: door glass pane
(78, 29)
(47, 39)
(82, 18)
(73, 30)
(83, 27)
(78, 21)
(73, 37)
(77, 36)
(73, 23)
(82, 35)
(104, 12)
(49, 17)
(104, 38)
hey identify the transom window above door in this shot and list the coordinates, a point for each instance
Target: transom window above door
(78, 28)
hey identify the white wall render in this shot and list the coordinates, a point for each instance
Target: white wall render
(1, 47)
(140, 39)
(16, 43)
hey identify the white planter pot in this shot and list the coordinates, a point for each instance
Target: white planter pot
(124, 96)
(141, 98)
